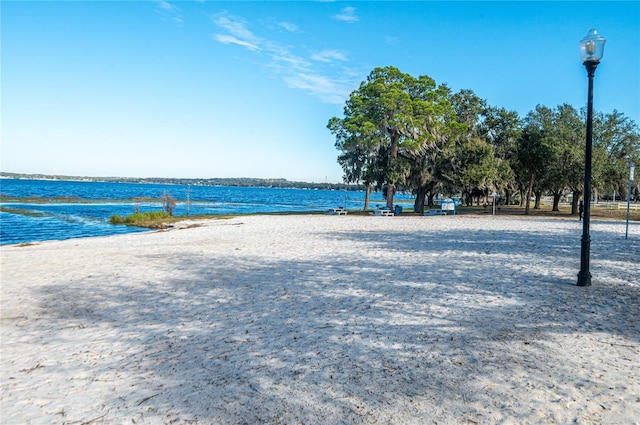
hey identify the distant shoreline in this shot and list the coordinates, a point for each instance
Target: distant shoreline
(228, 181)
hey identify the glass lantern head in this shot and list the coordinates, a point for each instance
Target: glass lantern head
(592, 47)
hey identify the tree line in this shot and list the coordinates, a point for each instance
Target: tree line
(227, 181)
(402, 133)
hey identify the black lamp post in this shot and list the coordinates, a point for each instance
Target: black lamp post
(591, 51)
(632, 169)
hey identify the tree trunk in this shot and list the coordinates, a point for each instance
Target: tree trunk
(527, 201)
(391, 188)
(574, 202)
(469, 199)
(418, 205)
(367, 195)
(431, 196)
(556, 201)
(522, 195)
(538, 193)
(507, 197)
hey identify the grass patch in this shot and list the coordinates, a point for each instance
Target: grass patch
(160, 219)
(19, 211)
(151, 219)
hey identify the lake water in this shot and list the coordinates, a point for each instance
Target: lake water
(32, 222)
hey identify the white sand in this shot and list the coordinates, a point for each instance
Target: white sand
(325, 320)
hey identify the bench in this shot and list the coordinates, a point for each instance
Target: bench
(382, 213)
(336, 211)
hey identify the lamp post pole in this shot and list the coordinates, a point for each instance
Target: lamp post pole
(584, 277)
(591, 47)
(494, 195)
(632, 168)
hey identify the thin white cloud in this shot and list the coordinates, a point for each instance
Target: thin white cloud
(169, 11)
(323, 87)
(229, 39)
(308, 73)
(289, 26)
(330, 56)
(238, 31)
(165, 5)
(348, 15)
(284, 60)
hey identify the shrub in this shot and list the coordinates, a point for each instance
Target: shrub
(168, 203)
(116, 219)
(139, 219)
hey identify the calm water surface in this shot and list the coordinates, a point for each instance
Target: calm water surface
(32, 222)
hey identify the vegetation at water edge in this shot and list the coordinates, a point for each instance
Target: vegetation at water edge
(141, 219)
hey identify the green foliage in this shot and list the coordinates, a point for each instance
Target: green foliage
(472, 166)
(145, 219)
(405, 133)
(616, 144)
(389, 122)
(477, 165)
(502, 129)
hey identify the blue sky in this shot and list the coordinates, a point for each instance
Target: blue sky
(245, 89)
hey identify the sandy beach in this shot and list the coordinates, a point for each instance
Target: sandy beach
(314, 319)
